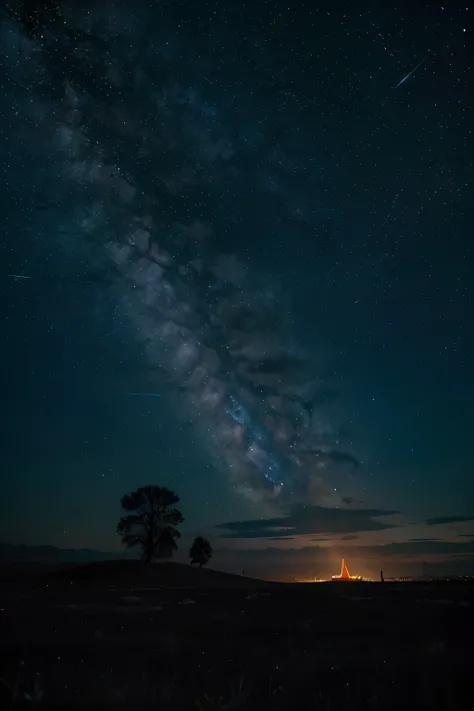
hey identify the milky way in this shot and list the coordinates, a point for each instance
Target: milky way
(137, 139)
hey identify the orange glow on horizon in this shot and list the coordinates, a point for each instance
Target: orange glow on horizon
(344, 574)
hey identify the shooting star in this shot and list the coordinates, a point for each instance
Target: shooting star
(407, 76)
(106, 335)
(144, 394)
(19, 276)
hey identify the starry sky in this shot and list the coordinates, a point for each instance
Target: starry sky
(238, 262)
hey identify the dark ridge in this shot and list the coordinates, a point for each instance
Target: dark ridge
(137, 573)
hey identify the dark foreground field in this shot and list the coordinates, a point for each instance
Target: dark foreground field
(112, 636)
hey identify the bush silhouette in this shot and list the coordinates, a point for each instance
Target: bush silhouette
(200, 552)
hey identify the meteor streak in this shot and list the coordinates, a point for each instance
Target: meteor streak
(145, 394)
(407, 76)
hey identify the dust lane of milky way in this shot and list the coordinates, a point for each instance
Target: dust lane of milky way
(130, 146)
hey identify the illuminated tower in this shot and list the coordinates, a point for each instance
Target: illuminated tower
(344, 571)
(344, 575)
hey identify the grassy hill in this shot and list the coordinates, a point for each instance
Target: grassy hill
(166, 574)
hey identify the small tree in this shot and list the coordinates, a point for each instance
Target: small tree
(152, 526)
(200, 552)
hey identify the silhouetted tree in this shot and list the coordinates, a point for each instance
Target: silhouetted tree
(152, 526)
(200, 552)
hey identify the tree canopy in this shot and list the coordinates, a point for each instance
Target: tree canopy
(152, 525)
(200, 552)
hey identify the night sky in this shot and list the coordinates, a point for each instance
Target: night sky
(260, 213)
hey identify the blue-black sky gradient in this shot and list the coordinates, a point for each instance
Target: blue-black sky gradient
(261, 214)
